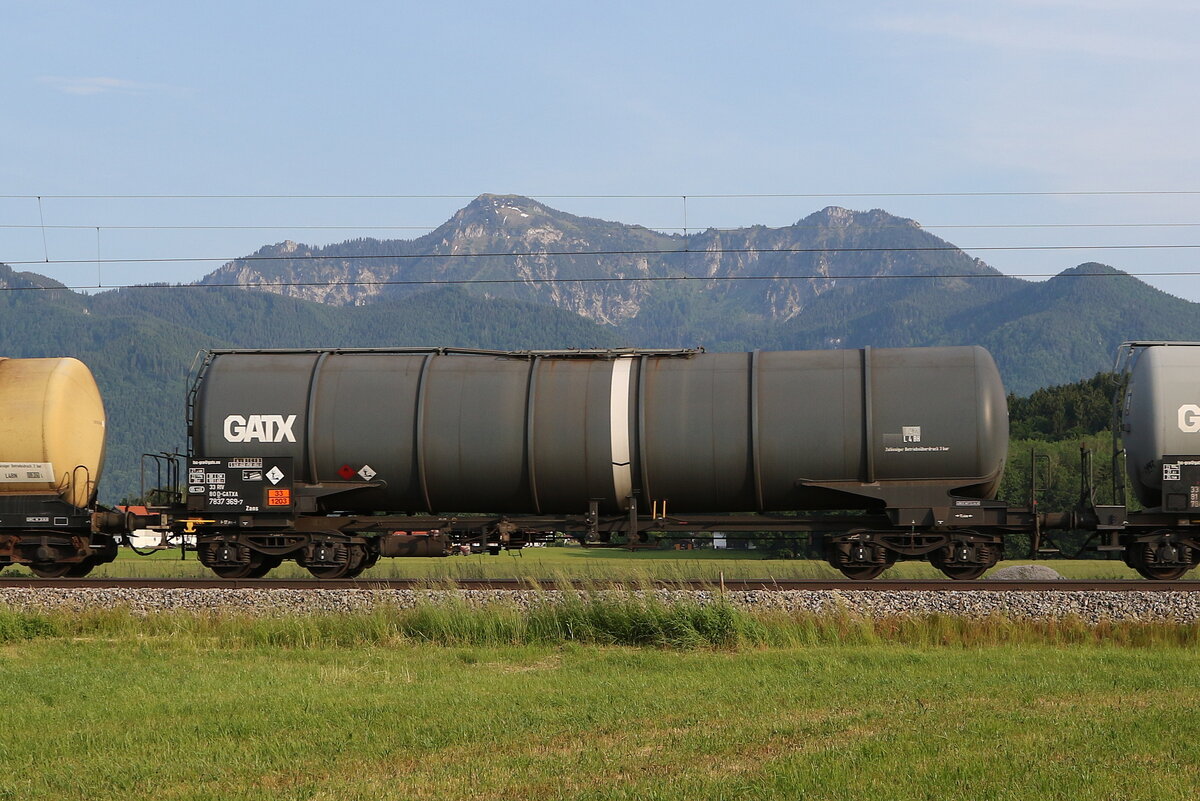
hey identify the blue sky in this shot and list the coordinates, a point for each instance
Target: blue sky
(566, 102)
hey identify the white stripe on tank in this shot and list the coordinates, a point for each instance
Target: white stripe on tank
(619, 432)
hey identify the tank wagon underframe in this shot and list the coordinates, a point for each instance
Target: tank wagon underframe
(962, 541)
(53, 537)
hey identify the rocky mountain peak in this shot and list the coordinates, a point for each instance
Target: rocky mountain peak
(833, 216)
(838, 217)
(500, 211)
(505, 245)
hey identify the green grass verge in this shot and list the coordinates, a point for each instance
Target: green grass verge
(600, 618)
(207, 707)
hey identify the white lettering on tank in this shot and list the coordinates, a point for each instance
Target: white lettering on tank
(284, 431)
(235, 426)
(255, 430)
(260, 428)
(1189, 418)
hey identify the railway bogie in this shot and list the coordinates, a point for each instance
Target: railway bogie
(1164, 554)
(959, 554)
(325, 554)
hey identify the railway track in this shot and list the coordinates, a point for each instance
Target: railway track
(734, 585)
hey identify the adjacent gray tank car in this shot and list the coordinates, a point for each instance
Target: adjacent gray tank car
(545, 433)
(1161, 413)
(1160, 434)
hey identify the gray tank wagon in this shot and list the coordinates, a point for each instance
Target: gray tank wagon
(543, 433)
(1159, 416)
(912, 440)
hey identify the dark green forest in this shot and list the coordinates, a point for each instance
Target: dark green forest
(1065, 412)
(1051, 430)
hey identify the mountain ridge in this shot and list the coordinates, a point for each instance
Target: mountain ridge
(530, 251)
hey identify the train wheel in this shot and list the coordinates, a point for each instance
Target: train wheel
(967, 573)
(1146, 559)
(329, 571)
(963, 560)
(269, 563)
(858, 557)
(52, 569)
(360, 560)
(81, 569)
(1162, 573)
(356, 562)
(862, 572)
(248, 570)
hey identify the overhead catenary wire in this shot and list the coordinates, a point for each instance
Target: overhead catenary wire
(614, 196)
(683, 197)
(686, 246)
(600, 279)
(721, 228)
(686, 228)
(42, 218)
(606, 253)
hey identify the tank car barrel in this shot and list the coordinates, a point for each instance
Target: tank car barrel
(544, 433)
(52, 430)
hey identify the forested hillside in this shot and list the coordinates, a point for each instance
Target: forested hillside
(1068, 411)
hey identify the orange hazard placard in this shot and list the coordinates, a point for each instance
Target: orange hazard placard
(279, 497)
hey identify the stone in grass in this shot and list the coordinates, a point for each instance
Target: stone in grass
(1026, 573)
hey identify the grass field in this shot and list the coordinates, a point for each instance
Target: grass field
(372, 707)
(590, 563)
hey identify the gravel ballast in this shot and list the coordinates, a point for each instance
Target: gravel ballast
(1091, 606)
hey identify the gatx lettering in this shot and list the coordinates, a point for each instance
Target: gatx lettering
(1189, 418)
(259, 428)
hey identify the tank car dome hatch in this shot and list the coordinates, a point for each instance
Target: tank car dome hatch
(51, 429)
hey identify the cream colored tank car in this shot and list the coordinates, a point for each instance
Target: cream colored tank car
(51, 429)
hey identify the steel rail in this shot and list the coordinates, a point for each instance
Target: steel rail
(728, 585)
